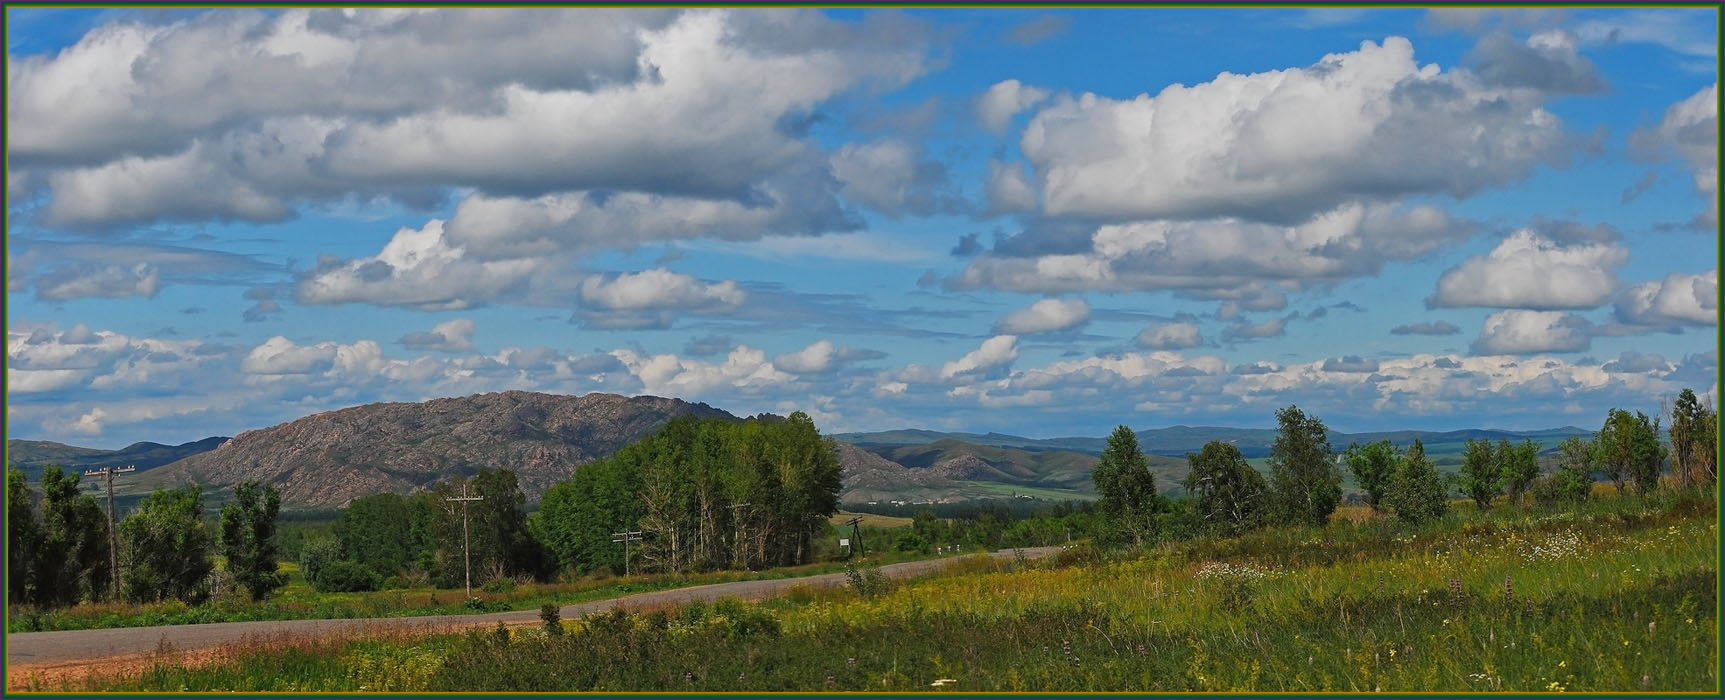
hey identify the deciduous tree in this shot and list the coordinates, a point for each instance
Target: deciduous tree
(248, 538)
(1304, 479)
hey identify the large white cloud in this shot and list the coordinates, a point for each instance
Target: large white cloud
(1370, 124)
(1044, 316)
(454, 335)
(1522, 332)
(1172, 335)
(1528, 271)
(1677, 300)
(243, 115)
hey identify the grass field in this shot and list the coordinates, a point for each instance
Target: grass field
(1616, 595)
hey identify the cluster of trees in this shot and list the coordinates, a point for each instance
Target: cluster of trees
(707, 494)
(996, 526)
(393, 541)
(1304, 485)
(58, 550)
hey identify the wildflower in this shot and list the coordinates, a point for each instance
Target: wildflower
(1646, 680)
(688, 677)
(852, 661)
(943, 682)
(1562, 664)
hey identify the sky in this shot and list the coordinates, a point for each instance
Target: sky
(1043, 222)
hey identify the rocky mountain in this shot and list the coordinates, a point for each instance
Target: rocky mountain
(33, 455)
(328, 459)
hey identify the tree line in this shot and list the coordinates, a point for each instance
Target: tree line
(58, 550)
(1228, 496)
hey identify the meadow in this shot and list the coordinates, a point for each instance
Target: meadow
(1617, 594)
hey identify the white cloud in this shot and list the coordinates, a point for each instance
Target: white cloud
(278, 355)
(108, 282)
(817, 358)
(455, 335)
(1678, 300)
(995, 352)
(1282, 145)
(1244, 330)
(1003, 100)
(1173, 335)
(1691, 127)
(1530, 272)
(891, 176)
(419, 268)
(746, 369)
(1044, 316)
(1224, 258)
(1009, 189)
(1521, 332)
(659, 288)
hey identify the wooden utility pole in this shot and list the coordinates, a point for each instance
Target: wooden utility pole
(626, 537)
(466, 552)
(856, 534)
(113, 537)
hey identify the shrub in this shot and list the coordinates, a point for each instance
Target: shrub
(498, 585)
(345, 576)
(395, 583)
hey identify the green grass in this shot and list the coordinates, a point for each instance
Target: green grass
(1616, 595)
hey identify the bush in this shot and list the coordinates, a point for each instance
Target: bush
(498, 585)
(395, 583)
(345, 576)
(911, 542)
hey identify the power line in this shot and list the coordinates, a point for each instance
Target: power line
(856, 533)
(466, 551)
(626, 537)
(113, 537)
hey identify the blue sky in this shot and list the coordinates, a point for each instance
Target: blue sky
(1036, 221)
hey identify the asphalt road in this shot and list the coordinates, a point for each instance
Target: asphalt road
(47, 648)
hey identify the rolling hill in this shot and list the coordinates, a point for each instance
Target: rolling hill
(32, 455)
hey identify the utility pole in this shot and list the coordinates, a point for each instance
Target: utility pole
(856, 534)
(626, 537)
(113, 537)
(466, 553)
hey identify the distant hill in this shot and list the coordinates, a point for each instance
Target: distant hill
(1177, 440)
(328, 459)
(33, 455)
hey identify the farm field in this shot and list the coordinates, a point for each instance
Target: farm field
(1611, 595)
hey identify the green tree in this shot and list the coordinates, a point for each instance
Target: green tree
(377, 531)
(1481, 476)
(248, 539)
(1573, 480)
(1305, 482)
(1230, 495)
(1417, 492)
(316, 555)
(1694, 440)
(1629, 450)
(1125, 485)
(1373, 465)
(23, 538)
(72, 563)
(1520, 467)
(167, 548)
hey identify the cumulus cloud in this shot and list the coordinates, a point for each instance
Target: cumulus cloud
(1269, 328)
(1173, 335)
(1371, 124)
(745, 369)
(1009, 189)
(1546, 61)
(420, 269)
(245, 115)
(454, 335)
(892, 176)
(1677, 300)
(108, 282)
(1636, 363)
(995, 352)
(1530, 272)
(1522, 332)
(1691, 128)
(1004, 100)
(1044, 316)
(1222, 258)
(1426, 328)
(658, 288)
(817, 358)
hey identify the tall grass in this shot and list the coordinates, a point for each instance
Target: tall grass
(1615, 596)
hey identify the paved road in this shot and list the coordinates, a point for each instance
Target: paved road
(46, 648)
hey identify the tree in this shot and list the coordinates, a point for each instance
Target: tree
(377, 531)
(316, 555)
(1230, 494)
(1373, 466)
(23, 538)
(1125, 485)
(167, 547)
(1573, 480)
(1481, 472)
(72, 562)
(1417, 491)
(248, 528)
(1629, 450)
(1306, 485)
(1694, 440)
(1520, 466)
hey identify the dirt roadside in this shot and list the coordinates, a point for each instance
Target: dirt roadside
(46, 659)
